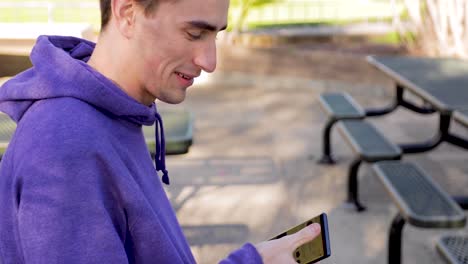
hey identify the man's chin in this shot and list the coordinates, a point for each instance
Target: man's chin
(173, 98)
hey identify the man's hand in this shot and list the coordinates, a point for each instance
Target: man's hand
(281, 250)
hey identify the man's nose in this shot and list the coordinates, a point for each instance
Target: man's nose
(206, 57)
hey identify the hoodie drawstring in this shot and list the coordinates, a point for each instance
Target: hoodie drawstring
(160, 154)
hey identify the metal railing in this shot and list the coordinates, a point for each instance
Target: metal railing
(297, 11)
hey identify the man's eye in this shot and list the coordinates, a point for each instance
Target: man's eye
(194, 36)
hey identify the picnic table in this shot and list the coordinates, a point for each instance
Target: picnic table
(461, 116)
(442, 86)
(441, 83)
(438, 86)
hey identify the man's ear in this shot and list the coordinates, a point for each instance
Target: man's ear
(123, 13)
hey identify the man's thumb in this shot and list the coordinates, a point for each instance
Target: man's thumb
(305, 235)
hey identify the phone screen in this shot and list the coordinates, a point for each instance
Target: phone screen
(315, 250)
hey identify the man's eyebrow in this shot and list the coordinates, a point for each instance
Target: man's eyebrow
(206, 26)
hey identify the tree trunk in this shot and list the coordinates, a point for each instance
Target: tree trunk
(444, 22)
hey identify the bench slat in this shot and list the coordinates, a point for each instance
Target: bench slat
(454, 249)
(420, 200)
(367, 141)
(341, 106)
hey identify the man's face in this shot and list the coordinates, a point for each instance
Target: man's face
(172, 46)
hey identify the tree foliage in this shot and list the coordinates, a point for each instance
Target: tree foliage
(244, 7)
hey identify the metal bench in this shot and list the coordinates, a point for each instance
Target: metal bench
(370, 145)
(421, 202)
(338, 106)
(454, 248)
(7, 128)
(178, 128)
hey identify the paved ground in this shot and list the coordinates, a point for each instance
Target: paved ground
(252, 171)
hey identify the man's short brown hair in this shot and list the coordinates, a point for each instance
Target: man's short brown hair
(106, 12)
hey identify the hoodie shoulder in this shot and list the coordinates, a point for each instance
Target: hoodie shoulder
(61, 124)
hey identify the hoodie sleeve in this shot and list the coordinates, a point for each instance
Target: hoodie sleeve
(247, 254)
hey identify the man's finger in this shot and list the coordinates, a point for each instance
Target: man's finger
(305, 235)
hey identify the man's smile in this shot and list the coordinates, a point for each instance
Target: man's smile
(185, 79)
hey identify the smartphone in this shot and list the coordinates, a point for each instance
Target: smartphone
(315, 250)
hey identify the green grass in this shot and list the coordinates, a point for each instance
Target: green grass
(59, 14)
(41, 15)
(261, 25)
(390, 38)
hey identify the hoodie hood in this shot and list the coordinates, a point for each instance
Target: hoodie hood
(60, 69)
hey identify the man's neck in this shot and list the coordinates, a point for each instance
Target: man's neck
(106, 60)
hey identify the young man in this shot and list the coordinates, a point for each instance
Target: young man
(77, 183)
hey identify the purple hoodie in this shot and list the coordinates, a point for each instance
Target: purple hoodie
(77, 182)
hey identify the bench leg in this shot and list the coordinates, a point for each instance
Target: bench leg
(394, 240)
(381, 111)
(326, 155)
(388, 109)
(442, 135)
(353, 194)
